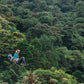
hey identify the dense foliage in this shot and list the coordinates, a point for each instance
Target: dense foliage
(49, 33)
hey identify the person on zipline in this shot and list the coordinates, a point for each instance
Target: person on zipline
(16, 59)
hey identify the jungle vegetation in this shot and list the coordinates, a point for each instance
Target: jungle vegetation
(50, 35)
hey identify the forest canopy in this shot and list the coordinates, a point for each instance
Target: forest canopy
(50, 35)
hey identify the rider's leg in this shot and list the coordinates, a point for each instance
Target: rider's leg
(22, 60)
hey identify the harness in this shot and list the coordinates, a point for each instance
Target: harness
(13, 60)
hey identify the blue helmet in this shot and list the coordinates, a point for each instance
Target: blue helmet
(9, 55)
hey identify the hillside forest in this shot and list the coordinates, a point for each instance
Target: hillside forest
(50, 35)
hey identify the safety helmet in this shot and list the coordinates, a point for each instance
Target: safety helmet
(9, 55)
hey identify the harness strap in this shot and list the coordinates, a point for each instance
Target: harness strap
(13, 60)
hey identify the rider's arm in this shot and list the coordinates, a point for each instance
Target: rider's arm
(18, 53)
(18, 56)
